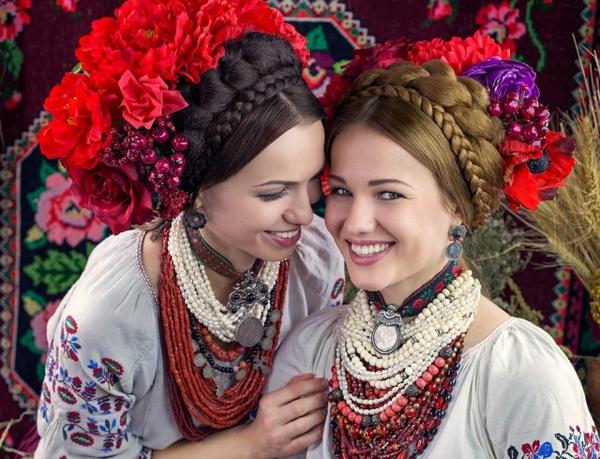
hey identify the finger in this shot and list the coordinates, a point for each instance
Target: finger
(301, 377)
(302, 407)
(304, 441)
(297, 389)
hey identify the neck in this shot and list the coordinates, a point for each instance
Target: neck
(414, 293)
(237, 260)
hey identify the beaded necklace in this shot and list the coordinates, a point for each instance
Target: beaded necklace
(193, 392)
(386, 405)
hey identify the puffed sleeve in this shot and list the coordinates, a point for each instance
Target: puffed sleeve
(101, 359)
(316, 278)
(532, 402)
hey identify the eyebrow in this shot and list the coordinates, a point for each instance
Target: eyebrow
(373, 182)
(284, 182)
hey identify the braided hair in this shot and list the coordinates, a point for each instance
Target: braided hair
(439, 118)
(254, 95)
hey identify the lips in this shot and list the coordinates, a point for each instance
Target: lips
(285, 238)
(368, 252)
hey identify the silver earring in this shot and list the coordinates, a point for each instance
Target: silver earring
(194, 219)
(456, 234)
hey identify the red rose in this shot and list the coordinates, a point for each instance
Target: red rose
(146, 99)
(116, 196)
(80, 125)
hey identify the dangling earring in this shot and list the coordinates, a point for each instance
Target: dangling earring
(195, 219)
(456, 234)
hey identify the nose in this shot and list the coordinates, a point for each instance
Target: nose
(360, 218)
(300, 212)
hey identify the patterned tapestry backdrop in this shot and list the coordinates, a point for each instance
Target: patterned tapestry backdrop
(45, 238)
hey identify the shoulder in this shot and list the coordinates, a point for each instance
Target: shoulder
(316, 261)
(112, 303)
(524, 372)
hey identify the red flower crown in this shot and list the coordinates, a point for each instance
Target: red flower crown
(111, 126)
(536, 160)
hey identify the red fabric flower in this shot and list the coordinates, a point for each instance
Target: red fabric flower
(80, 123)
(146, 99)
(378, 56)
(524, 188)
(115, 195)
(459, 53)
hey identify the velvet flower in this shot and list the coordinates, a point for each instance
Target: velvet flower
(114, 194)
(80, 125)
(536, 175)
(502, 76)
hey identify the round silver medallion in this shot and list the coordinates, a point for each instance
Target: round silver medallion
(385, 338)
(249, 331)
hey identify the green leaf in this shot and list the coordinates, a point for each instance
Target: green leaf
(12, 58)
(316, 40)
(58, 271)
(28, 342)
(78, 68)
(46, 170)
(338, 66)
(33, 198)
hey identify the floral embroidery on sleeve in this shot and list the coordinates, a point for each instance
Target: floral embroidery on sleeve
(89, 398)
(578, 444)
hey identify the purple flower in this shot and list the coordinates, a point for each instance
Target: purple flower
(501, 77)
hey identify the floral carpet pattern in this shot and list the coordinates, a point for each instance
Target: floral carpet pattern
(45, 237)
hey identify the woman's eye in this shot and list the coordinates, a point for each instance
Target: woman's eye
(390, 195)
(340, 191)
(273, 196)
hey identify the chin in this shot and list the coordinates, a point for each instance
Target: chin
(364, 280)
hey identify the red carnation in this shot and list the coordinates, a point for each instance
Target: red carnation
(378, 56)
(459, 53)
(116, 196)
(80, 123)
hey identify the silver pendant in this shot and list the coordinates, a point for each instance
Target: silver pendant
(248, 292)
(249, 331)
(386, 336)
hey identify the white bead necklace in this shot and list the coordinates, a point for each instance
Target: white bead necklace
(197, 291)
(449, 315)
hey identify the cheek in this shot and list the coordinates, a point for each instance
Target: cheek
(335, 214)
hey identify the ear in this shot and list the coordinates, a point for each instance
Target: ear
(199, 199)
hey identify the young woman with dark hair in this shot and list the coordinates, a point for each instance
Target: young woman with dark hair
(164, 344)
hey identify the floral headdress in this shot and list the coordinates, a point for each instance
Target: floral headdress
(536, 160)
(111, 125)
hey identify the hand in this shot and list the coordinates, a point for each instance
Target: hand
(289, 419)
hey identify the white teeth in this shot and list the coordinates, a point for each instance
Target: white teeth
(368, 250)
(285, 234)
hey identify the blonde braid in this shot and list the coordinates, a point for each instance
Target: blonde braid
(409, 83)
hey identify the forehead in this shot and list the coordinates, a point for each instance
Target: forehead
(293, 156)
(363, 153)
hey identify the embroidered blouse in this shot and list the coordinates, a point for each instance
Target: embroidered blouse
(105, 390)
(517, 396)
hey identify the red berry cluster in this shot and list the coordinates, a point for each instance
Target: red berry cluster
(157, 152)
(525, 118)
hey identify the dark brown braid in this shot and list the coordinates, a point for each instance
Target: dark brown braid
(259, 78)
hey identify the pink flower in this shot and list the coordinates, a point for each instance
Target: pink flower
(13, 18)
(39, 324)
(67, 5)
(439, 9)
(15, 99)
(61, 218)
(146, 99)
(501, 22)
